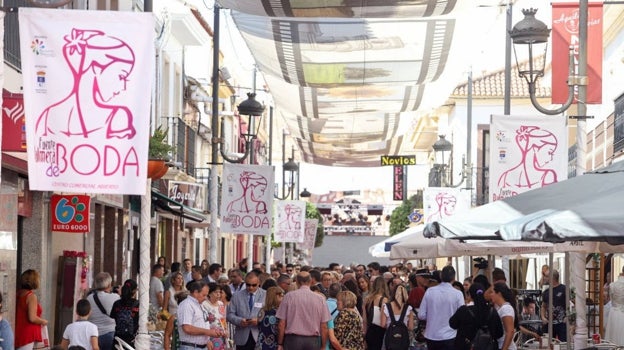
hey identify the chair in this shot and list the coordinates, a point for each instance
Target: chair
(120, 344)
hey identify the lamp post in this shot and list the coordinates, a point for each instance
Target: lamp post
(292, 168)
(533, 33)
(442, 150)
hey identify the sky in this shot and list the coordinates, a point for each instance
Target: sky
(484, 52)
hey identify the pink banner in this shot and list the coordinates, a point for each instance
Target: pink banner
(565, 30)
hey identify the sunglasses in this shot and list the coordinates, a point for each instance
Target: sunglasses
(252, 285)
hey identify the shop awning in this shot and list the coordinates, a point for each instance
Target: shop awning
(177, 208)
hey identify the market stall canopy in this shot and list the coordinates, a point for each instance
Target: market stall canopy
(382, 249)
(351, 78)
(582, 208)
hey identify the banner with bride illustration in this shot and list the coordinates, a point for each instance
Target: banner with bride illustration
(440, 203)
(290, 221)
(309, 239)
(526, 152)
(86, 74)
(247, 199)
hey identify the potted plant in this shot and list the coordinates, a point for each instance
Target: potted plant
(158, 154)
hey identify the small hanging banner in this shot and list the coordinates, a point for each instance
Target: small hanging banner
(290, 221)
(70, 213)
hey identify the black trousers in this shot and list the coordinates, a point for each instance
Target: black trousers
(250, 345)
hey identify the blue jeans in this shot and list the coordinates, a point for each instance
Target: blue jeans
(105, 341)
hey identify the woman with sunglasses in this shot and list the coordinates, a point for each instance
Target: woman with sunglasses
(267, 322)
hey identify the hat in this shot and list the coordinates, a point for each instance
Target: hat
(423, 272)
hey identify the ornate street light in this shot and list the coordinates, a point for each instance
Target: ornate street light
(534, 34)
(305, 193)
(442, 149)
(251, 108)
(292, 168)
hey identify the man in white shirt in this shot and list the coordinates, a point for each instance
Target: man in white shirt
(193, 325)
(437, 307)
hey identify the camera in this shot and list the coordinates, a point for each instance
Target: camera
(481, 263)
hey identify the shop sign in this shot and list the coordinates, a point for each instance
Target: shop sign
(70, 213)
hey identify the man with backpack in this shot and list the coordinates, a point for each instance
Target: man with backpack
(438, 305)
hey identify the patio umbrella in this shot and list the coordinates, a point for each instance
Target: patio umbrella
(584, 208)
(382, 249)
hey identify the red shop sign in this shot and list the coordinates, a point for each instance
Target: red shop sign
(70, 213)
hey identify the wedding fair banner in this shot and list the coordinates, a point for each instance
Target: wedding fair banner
(443, 202)
(289, 221)
(86, 74)
(526, 152)
(247, 199)
(309, 238)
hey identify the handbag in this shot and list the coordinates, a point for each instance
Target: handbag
(44, 344)
(377, 313)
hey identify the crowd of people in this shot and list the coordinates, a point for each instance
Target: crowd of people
(291, 307)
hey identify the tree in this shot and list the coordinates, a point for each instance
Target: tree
(313, 213)
(399, 220)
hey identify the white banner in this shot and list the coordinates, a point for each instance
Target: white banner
(247, 199)
(310, 234)
(290, 221)
(87, 82)
(526, 152)
(443, 202)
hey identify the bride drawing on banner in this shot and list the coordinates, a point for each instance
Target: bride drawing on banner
(537, 148)
(445, 206)
(100, 66)
(250, 201)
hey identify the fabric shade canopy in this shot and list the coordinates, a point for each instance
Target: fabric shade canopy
(350, 79)
(586, 207)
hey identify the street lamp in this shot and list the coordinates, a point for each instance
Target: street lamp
(292, 168)
(305, 193)
(442, 149)
(251, 108)
(534, 34)
(531, 31)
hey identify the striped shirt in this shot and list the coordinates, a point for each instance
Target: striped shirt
(192, 313)
(304, 311)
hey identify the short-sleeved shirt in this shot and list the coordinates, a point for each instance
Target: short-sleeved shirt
(80, 333)
(303, 311)
(105, 324)
(504, 311)
(156, 286)
(192, 313)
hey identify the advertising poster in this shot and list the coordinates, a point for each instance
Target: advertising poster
(289, 221)
(247, 199)
(86, 74)
(443, 202)
(526, 152)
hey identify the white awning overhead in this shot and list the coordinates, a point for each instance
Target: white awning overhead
(350, 78)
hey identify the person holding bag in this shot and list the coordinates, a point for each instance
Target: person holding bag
(468, 318)
(374, 330)
(29, 326)
(396, 311)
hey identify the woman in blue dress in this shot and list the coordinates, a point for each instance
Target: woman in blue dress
(267, 322)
